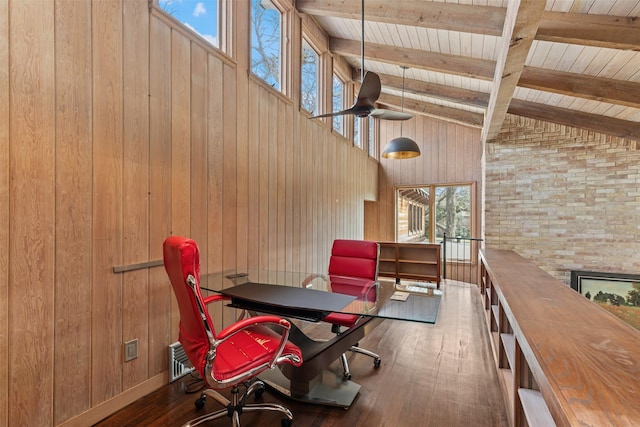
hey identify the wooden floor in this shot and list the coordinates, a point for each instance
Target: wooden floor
(438, 375)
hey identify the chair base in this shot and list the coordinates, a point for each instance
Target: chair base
(335, 328)
(237, 405)
(345, 364)
(328, 389)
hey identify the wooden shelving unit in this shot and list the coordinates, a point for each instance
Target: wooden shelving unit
(504, 349)
(552, 347)
(410, 261)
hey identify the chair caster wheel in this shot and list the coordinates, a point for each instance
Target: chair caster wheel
(258, 393)
(286, 422)
(199, 403)
(376, 362)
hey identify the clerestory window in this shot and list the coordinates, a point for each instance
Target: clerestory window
(266, 42)
(201, 16)
(309, 78)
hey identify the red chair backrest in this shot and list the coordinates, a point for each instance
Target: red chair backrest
(354, 258)
(182, 261)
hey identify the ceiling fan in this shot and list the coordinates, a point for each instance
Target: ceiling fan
(368, 95)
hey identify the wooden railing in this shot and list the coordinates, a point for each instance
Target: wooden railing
(561, 359)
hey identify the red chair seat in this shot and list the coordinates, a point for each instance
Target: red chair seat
(342, 319)
(356, 286)
(247, 349)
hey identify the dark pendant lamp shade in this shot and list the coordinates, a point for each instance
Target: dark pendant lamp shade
(401, 147)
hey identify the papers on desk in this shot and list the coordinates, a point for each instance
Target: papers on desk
(400, 296)
(422, 288)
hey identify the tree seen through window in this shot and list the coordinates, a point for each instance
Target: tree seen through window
(338, 103)
(309, 78)
(266, 41)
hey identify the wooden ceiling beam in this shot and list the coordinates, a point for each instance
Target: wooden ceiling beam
(520, 27)
(614, 32)
(582, 86)
(445, 16)
(446, 93)
(415, 58)
(593, 122)
(617, 92)
(587, 87)
(441, 112)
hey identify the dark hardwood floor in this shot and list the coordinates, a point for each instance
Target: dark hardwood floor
(438, 375)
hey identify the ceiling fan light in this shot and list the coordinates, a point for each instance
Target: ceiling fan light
(401, 148)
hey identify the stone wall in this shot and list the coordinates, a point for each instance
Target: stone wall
(567, 198)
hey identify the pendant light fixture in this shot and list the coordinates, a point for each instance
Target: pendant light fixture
(402, 147)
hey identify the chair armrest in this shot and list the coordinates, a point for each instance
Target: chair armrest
(371, 284)
(371, 294)
(214, 298)
(253, 321)
(310, 278)
(366, 290)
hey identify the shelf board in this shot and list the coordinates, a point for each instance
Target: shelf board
(535, 409)
(508, 384)
(509, 344)
(413, 261)
(495, 337)
(417, 276)
(496, 312)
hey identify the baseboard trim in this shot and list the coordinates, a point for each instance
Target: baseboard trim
(106, 408)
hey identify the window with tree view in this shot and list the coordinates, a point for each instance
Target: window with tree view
(266, 41)
(309, 78)
(424, 214)
(357, 136)
(338, 97)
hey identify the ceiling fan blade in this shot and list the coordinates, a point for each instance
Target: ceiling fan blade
(369, 93)
(390, 115)
(369, 90)
(335, 113)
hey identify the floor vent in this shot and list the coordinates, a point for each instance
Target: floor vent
(179, 364)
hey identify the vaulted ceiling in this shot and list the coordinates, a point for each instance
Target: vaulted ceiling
(573, 62)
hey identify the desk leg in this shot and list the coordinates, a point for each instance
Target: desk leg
(312, 382)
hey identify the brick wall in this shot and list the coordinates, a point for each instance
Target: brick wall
(567, 198)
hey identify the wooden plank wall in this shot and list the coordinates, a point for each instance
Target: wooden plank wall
(4, 212)
(117, 129)
(450, 153)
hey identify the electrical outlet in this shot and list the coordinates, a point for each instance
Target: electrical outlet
(131, 350)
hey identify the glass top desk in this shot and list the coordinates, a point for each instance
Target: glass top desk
(310, 297)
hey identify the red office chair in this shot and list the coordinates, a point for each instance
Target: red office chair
(353, 269)
(232, 356)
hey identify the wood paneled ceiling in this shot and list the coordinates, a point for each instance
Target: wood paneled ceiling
(573, 62)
